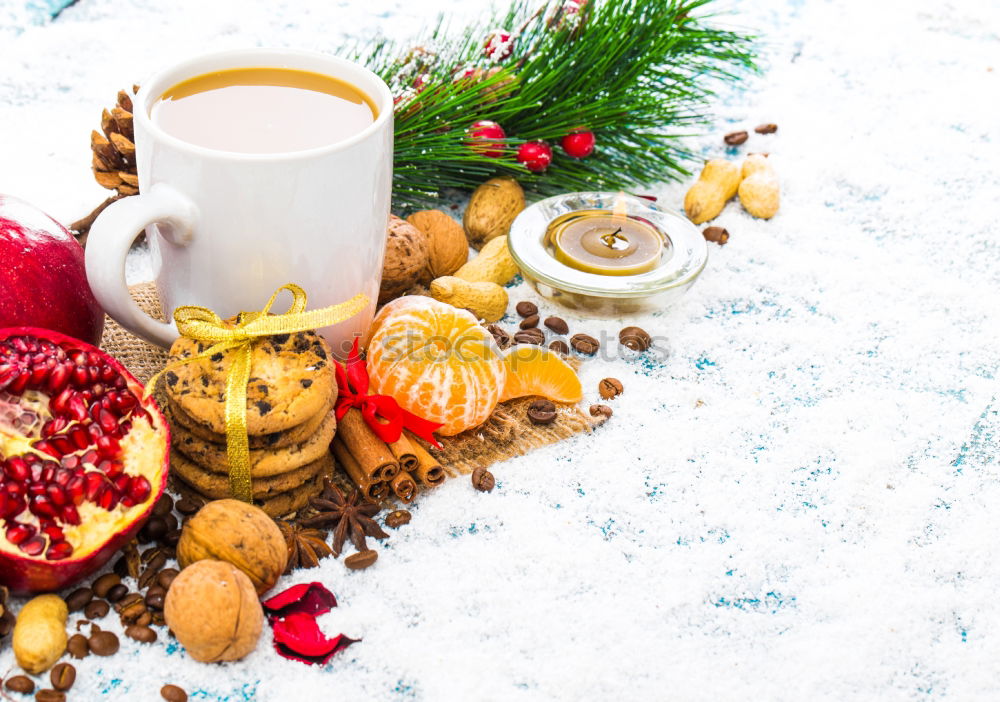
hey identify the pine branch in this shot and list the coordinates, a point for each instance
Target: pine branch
(639, 73)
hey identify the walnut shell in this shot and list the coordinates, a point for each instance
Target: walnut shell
(492, 208)
(213, 610)
(407, 254)
(237, 533)
(449, 249)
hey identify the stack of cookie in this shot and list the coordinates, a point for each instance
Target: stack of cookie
(290, 420)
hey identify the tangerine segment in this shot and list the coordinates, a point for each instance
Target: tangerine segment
(435, 361)
(533, 370)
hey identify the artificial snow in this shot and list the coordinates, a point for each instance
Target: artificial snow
(796, 497)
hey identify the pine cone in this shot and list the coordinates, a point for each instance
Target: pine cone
(114, 151)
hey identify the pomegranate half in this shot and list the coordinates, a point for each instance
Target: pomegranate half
(83, 458)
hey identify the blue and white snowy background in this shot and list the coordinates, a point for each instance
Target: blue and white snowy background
(797, 497)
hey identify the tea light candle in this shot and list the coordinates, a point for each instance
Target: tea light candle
(605, 242)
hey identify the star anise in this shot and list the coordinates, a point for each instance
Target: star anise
(347, 516)
(306, 547)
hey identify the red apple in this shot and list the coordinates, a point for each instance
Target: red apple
(43, 282)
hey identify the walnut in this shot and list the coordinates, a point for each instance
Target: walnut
(213, 610)
(407, 255)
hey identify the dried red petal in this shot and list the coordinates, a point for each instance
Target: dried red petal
(307, 598)
(298, 637)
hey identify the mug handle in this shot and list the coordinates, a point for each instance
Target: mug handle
(108, 244)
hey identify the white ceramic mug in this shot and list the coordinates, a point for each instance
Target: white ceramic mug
(228, 229)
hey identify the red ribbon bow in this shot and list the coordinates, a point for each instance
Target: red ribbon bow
(382, 413)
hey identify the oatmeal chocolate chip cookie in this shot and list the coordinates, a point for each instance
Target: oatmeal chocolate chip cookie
(264, 463)
(277, 505)
(291, 381)
(216, 485)
(184, 424)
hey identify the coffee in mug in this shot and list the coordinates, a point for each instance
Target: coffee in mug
(263, 110)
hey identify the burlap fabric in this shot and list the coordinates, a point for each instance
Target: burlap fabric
(507, 433)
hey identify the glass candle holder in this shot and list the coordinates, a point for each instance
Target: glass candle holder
(607, 254)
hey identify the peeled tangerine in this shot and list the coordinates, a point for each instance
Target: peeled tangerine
(83, 457)
(213, 610)
(440, 364)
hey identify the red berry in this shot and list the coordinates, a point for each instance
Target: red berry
(486, 129)
(535, 155)
(579, 143)
(499, 45)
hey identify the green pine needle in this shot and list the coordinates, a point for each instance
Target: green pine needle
(638, 73)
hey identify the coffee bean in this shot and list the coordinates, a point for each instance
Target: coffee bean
(7, 620)
(635, 338)
(149, 576)
(155, 596)
(601, 411)
(47, 695)
(104, 583)
(117, 592)
(141, 633)
(718, 235)
(172, 693)
(526, 309)
(542, 412)
(120, 567)
(154, 555)
(735, 138)
(530, 336)
(96, 609)
(585, 344)
(557, 324)
(483, 480)
(103, 643)
(132, 610)
(397, 518)
(769, 128)
(500, 335)
(166, 577)
(172, 538)
(78, 646)
(20, 683)
(529, 322)
(360, 560)
(155, 529)
(62, 676)
(158, 619)
(187, 506)
(610, 388)
(78, 599)
(163, 506)
(559, 346)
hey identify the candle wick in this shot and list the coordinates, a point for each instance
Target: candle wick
(610, 239)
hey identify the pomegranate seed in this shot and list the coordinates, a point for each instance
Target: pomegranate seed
(33, 546)
(36, 489)
(140, 412)
(80, 376)
(15, 489)
(90, 457)
(39, 374)
(77, 407)
(98, 390)
(17, 469)
(19, 383)
(63, 445)
(108, 421)
(41, 506)
(75, 488)
(139, 489)
(108, 446)
(59, 403)
(53, 532)
(7, 373)
(127, 502)
(93, 486)
(59, 377)
(113, 469)
(6, 502)
(63, 476)
(58, 551)
(79, 436)
(19, 533)
(94, 358)
(54, 426)
(108, 374)
(45, 447)
(70, 515)
(108, 499)
(124, 402)
(120, 382)
(19, 344)
(121, 483)
(56, 495)
(95, 432)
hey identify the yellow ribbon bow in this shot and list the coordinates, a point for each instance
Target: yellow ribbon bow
(201, 324)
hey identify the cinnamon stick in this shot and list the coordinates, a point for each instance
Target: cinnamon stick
(403, 451)
(404, 487)
(372, 489)
(370, 452)
(428, 470)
